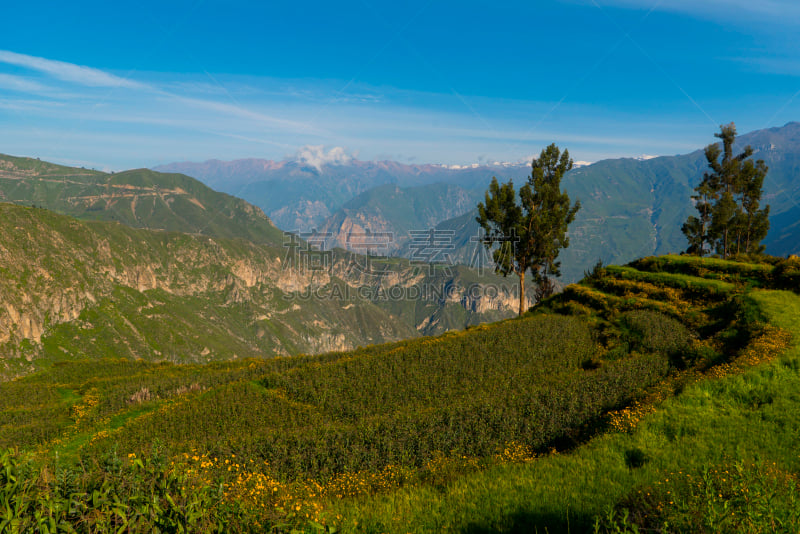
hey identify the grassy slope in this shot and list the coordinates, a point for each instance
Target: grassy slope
(344, 415)
(453, 391)
(709, 423)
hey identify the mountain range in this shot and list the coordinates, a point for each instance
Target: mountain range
(299, 196)
(630, 207)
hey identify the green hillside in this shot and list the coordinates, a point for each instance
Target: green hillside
(139, 198)
(553, 421)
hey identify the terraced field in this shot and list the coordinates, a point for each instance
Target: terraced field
(669, 367)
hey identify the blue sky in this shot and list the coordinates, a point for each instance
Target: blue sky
(119, 85)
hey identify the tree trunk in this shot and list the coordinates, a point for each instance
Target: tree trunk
(725, 244)
(749, 227)
(522, 292)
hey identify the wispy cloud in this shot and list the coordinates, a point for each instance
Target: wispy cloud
(20, 84)
(249, 139)
(242, 112)
(68, 72)
(95, 78)
(30, 105)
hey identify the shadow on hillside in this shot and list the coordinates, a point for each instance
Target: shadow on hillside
(529, 522)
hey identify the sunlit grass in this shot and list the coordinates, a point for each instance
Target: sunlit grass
(713, 422)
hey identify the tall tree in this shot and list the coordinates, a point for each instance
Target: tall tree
(552, 215)
(728, 201)
(530, 234)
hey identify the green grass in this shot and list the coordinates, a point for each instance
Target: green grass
(741, 272)
(121, 419)
(72, 445)
(69, 450)
(710, 423)
(676, 280)
(68, 396)
(781, 307)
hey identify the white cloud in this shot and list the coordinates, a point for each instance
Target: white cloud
(68, 72)
(316, 156)
(18, 83)
(44, 107)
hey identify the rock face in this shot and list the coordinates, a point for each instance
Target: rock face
(71, 288)
(482, 300)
